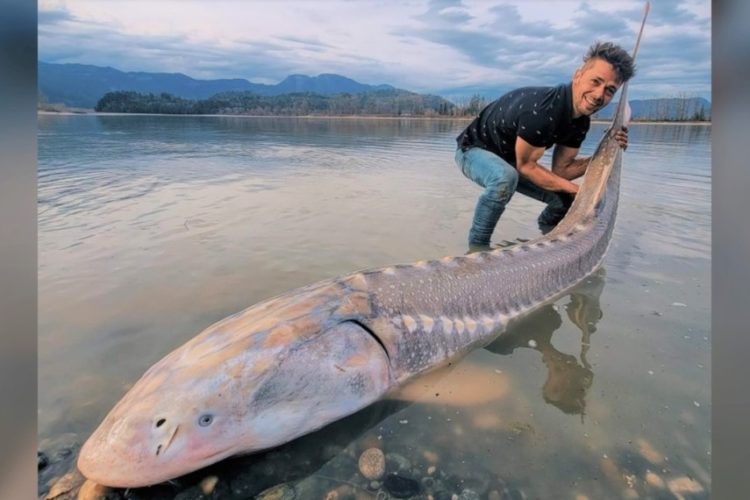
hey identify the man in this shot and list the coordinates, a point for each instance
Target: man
(500, 150)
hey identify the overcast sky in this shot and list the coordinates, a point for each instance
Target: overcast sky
(448, 47)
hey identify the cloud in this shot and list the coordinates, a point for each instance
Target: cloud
(53, 16)
(438, 46)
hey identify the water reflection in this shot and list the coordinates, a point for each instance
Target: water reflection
(568, 378)
(290, 127)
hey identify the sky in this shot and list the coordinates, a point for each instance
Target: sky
(453, 48)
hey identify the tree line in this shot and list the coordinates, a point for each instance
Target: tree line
(376, 103)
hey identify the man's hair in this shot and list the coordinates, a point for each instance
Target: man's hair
(614, 55)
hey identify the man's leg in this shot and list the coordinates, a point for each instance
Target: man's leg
(557, 204)
(499, 181)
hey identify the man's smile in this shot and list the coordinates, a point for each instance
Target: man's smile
(591, 102)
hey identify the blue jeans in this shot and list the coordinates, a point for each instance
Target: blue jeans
(500, 180)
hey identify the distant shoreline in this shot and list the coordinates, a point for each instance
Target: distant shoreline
(337, 117)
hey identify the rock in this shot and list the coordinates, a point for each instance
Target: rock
(208, 484)
(278, 492)
(468, 494)
(397, 463)
(654, 480)
(92, 491)
(428, 482)
(65, 484)
(431, 469)
(512, 494)
(42, 460)
(684, 485)
(400, 486)
(372, 463)
(340, 493)
(630, 494)
(648, 452)
(430, 456)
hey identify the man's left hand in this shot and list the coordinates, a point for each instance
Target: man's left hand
(621, 136)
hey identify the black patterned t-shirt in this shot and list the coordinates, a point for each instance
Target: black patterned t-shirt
(542, 116)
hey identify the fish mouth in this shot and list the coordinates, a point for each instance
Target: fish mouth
(216, 456)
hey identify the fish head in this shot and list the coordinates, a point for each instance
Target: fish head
(225, 393)
(171, 422)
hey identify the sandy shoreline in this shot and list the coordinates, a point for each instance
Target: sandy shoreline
(345, 117)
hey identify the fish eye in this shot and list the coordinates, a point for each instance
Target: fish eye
(205, 420)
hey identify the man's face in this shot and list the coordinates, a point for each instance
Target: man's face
(594, 85)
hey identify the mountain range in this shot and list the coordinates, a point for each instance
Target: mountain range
(667, 108)
(82, 85)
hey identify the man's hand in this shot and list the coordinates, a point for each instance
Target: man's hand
(621, 136)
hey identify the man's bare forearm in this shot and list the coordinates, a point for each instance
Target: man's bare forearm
(547, 179)
(573, 170)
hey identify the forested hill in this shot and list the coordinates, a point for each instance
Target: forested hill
(376, 102)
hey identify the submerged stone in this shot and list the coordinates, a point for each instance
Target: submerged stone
(400, 486)
(372, 463)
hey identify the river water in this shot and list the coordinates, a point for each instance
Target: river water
(151, 228)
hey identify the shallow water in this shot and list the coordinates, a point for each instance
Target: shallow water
(153, 227)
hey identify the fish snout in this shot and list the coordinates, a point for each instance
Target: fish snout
(121, 449)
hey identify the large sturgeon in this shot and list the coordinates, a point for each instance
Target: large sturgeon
(294, 363)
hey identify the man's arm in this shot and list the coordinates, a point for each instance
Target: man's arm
(566, 165)
(527, 164)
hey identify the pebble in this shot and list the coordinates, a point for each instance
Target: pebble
(397, 463)
(208, 484)
(679, 304)
(431, 469)
(430, 456)
(654, 480)
(65, 484)
(401, 487)
(684, 485)
(372, 463)
(92, 491)
(697, 404)
(648, 452)
(532, 343)
(512, 494)
(630, 494)
(468, 494)
(278, 492)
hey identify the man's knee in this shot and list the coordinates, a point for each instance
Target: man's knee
(502, 186)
